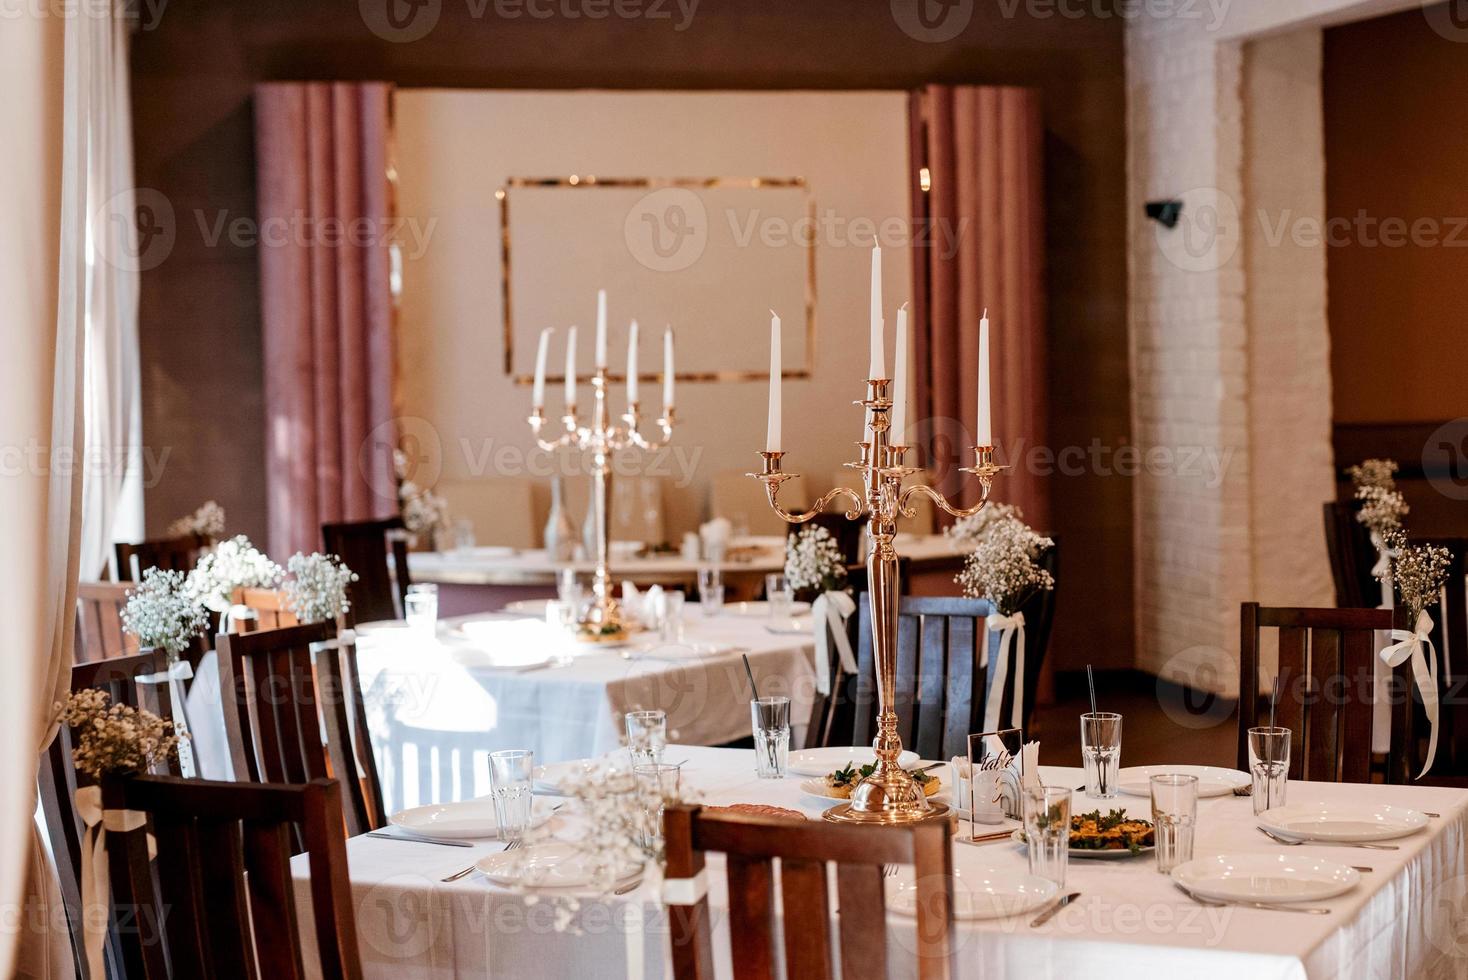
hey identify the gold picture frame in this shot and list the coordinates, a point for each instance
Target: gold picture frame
(591, 183)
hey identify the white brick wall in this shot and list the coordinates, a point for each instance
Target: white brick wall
(1228, 339)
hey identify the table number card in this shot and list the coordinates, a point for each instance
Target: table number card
(995, 768)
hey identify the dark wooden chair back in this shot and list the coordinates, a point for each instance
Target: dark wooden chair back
(378, 552)
(804, 848)
(218, 901)
(940, 685)
(99, 632)
(58, 778)
(172, 554)
(1326, 689)
(269, 607)
(1352, 556)
(279, 698)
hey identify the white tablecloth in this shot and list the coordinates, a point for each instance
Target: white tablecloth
(1408, 917)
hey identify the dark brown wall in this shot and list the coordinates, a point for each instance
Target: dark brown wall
(1396, 142)
(192, 75)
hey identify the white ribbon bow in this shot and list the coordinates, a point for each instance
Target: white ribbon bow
(1010, 627)
(829, 614)
(1424, 673)
(179, 670)
(96, 884)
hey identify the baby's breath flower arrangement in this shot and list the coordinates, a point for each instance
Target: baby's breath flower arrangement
(114, 739)
(1418, 572)
(813, 562)
(967, 533)
(1382, 509)
(1374, 473)
(317, 588)
(162, 613)
(423, 510)
(233, 564)
(1002, 568)
(208, 520)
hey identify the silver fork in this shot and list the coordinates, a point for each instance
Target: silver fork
(1288, 842)
(1266, 906)
(470, 870)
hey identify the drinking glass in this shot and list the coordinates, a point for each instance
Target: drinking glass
(1101, 752)
(770, 719)
(780, 596)
(1047, 831)
(420, 608)
(670, 616)
(1174, 814)
(568, 589)
(463, 534)
(510, 772)
(711, 589)
(647, 735)
(1269, 763)
(657, 786)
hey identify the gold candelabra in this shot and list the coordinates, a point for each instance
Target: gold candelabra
(889, 795)
(601, 620)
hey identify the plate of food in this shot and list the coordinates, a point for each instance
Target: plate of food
(1110, 835)
(839, 784)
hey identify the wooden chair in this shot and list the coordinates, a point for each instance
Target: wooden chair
(269, 607)
(1352, 556)
(219, 901)
(172, 554)
(940, 685)
(57, 778)
(99, 632)
(276, 709)
(1326, 690)
(378, 552)
(804, 849)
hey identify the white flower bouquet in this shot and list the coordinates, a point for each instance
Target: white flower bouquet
(1003, 567)
(232, 564)
(317, 588)
(162, 613)
(967, 533)
(424, 512)
(208, 521)
(813, 562)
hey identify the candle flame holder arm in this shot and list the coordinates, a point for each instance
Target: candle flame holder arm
(889, 795)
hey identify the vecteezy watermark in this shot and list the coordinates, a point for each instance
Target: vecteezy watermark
(1187, 687)
(667, 230)
(932, 21)
(1207, 234)
(1210, 12)
(134, 230)
(1445, 459)
(36, 458)
(142, 15)
(1448, 19)
(402, 21)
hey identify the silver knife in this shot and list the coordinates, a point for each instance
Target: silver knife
(1055, 907)
(415, 839)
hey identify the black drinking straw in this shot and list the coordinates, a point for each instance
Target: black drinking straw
(1091, 681)
(1273, 698)
(752, 686)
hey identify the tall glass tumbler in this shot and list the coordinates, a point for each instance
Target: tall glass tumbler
(510, 773)
(1174, 816)
(1047, 830)
(1269, 764)
(711, 590)
(420, 608)
(1101, 752)
(658, 785)
(647, 736)
(781, 598)
(770, 720)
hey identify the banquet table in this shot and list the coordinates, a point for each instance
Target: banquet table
(1129, 920)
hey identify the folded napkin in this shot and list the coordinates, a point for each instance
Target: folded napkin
(715, 535)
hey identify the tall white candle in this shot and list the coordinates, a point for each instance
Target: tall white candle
(877, 368)
(601, 328)
(899, 382)
(667, 368)
(570, 369)
(537, 393)
(772, 432)
(985, 435)
(632, 364)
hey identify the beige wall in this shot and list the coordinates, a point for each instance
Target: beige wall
(456, 148)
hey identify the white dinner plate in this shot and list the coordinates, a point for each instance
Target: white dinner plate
(1348, 822)
(762, 609)
(1212, 780)
(818, 762)
(1088, 853)
(978, 893)
(526, 607)
(555, 864)
(1292, 877)
(816, 786)
(468, 818)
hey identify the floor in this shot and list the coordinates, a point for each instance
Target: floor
(1161, 722)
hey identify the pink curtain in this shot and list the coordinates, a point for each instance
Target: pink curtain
(982, 149)
(325, 209)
